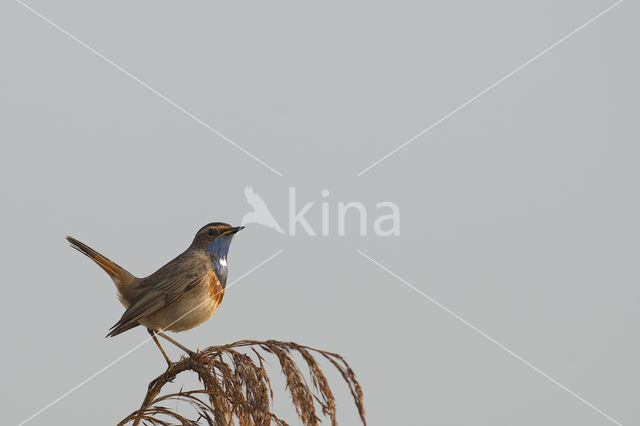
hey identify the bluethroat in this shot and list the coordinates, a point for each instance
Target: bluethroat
(181, 295)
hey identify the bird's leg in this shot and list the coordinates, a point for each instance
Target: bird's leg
(155, 339)
(189, 351)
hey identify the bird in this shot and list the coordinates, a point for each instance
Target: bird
(180, 295)
(260, 213)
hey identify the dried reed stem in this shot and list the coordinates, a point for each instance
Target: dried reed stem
(237, 388)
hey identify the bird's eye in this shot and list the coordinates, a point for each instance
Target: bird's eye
(211, 232)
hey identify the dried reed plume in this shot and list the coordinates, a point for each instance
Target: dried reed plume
(236, 387)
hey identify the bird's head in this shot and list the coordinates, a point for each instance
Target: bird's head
(215, 237)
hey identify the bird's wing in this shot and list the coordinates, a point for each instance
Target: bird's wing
(170, 283)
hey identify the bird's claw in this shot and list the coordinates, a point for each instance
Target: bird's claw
(167, 376)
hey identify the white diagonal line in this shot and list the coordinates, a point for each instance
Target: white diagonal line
(490, 87)
(491, 339)
(127, 73)
(76, 387)
(97, 373)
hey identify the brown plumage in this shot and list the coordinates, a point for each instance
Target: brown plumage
(182, 294)
(121, 277)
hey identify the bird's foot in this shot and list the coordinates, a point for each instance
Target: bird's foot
(192, 355)
(169, 377)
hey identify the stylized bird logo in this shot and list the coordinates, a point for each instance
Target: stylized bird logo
(260, 213)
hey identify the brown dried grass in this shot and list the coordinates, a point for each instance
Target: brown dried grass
(237, 388)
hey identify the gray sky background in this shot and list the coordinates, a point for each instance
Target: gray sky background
(519, 213)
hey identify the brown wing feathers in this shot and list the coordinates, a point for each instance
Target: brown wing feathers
(153, 299)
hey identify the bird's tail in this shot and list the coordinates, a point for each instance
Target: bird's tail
(117, 273)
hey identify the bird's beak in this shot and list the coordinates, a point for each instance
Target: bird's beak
(233, 230)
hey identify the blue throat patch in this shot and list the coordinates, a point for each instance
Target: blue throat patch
(217, 251)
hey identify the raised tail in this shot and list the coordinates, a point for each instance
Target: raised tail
(118, 274)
